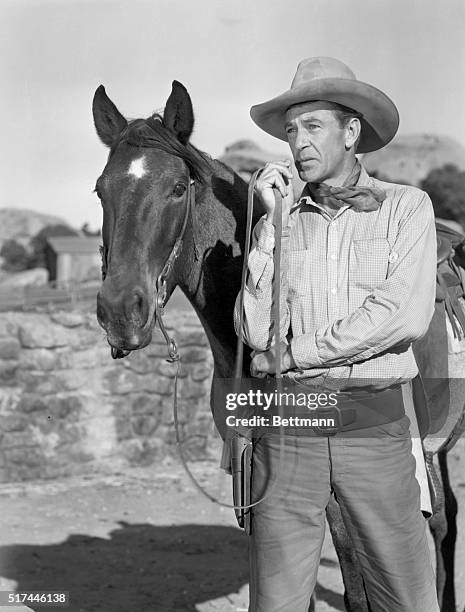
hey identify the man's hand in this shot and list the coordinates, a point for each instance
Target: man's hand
(264, 363)
(276, 175)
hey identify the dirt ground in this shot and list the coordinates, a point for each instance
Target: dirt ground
(146, 541)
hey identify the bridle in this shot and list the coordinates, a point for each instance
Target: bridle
(161, 294)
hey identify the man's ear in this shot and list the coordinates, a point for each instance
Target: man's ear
(179, 115)
(353, 130)
(109, 122)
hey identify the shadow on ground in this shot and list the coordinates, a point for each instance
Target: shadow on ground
(140, 567)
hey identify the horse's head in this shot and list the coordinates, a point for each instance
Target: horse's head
(144, 191)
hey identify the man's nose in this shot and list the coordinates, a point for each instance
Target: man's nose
(302, 139)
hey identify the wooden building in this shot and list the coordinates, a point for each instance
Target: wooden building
(73, 259)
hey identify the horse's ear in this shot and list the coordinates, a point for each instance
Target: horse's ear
(109, 122)
(179, 115)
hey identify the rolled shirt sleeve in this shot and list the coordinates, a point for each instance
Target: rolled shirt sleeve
(396, 312)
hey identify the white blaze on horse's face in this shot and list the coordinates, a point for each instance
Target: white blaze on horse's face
(137, 167)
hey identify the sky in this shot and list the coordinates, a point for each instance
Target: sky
(230, 54)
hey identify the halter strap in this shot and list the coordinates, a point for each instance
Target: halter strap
(161, 296)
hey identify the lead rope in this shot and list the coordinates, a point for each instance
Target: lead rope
(239, 437)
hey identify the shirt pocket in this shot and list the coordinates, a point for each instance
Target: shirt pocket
(368, 264)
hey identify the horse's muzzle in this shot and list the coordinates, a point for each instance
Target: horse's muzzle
(124, 318)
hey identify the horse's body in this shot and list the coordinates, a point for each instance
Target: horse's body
(143, 192)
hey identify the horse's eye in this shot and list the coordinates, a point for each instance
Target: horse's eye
(179, 190)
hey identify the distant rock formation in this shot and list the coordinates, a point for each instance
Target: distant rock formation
(21, 224)
(409, 158)
(245, 156)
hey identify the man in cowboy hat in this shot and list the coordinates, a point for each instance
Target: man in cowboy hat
(357, 287)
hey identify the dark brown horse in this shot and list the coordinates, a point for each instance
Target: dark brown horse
(144, 194)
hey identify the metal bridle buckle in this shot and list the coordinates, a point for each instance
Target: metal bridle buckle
(172, 351)
(161, 295)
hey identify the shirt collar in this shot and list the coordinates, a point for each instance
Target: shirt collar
(364, 180)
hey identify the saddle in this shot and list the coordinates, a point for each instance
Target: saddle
(450, 277)
(431, 352)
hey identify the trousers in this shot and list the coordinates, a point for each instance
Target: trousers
(373, 479)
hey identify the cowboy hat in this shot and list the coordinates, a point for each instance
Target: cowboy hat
(328, 79)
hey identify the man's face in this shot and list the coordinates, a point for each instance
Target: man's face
(317, 141)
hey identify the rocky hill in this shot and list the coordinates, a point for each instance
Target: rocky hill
(244, 157)
(409, 158)
(21, 224)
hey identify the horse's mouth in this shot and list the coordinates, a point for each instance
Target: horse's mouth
(117, 353)
(121, 348)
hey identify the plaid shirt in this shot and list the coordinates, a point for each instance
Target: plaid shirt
(356, 288)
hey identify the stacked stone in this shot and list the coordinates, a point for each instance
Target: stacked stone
(67, 407)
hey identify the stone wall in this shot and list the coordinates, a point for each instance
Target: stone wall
(67, 407)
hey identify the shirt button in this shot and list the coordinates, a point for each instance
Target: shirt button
(334, 290)
(333, 257)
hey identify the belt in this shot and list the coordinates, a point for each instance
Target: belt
(354, 410)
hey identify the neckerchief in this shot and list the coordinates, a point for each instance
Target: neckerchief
(360, 198)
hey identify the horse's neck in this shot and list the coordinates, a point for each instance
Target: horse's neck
(211, 281)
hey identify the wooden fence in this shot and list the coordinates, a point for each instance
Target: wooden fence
(32, 296)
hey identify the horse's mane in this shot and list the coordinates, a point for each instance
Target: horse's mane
(152, 133)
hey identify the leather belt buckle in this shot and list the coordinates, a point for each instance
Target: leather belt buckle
(330, 412)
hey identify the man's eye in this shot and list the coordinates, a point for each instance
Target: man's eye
(179, 190)
(290, 130)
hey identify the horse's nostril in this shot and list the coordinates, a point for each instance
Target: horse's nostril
(137, 306)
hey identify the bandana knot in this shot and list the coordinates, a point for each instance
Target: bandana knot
(360, 198)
